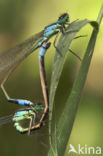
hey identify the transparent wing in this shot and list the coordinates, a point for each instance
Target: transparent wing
(14, 56)
(6, 119)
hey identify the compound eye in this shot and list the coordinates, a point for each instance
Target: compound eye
(67, 19)
(63, 16)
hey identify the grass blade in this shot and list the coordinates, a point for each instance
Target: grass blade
(59, 139)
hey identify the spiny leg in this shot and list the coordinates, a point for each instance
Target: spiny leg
(79, 36)
(69, 31)
(73, 51)
(54, 44)
(75, 54)
(17, 101)
(30, 125)
(33, 121)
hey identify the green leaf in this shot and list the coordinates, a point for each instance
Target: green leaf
(61, 134)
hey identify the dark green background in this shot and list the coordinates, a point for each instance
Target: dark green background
(18, 21)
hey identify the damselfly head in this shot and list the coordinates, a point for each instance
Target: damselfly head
(63, 19)
(38, 106)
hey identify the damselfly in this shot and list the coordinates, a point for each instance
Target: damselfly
(25, 119)
(10, 59)
(32, 111)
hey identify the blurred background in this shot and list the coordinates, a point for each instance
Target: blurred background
(18, 21)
